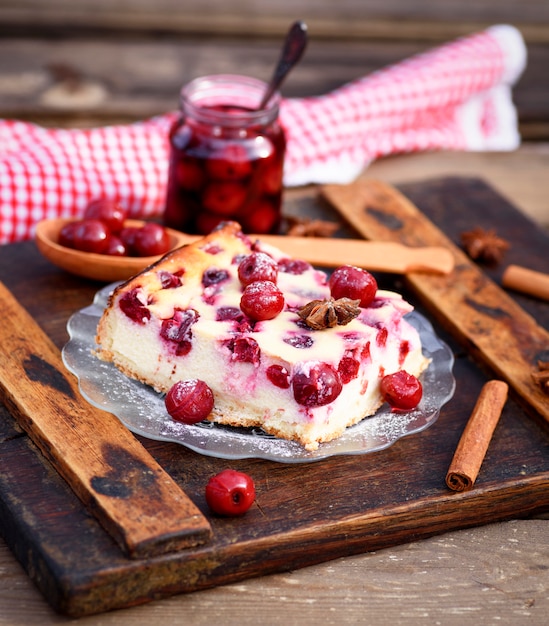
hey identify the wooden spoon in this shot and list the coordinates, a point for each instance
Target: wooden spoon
(381, 256)
(324, 252)
(294, 46)
(88, 264)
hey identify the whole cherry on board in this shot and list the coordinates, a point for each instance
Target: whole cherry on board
(230, 493)
(401, 390)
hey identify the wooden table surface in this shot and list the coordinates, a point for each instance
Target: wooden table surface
(128, 61)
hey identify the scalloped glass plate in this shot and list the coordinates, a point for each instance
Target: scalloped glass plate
(142, 409)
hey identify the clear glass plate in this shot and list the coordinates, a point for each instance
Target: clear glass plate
(142, 410)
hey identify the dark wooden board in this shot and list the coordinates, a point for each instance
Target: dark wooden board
(143, 509)
(305, 513)
(474, 308)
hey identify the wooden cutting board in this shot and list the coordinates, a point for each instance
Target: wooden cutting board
(477, 311)
(304, 513)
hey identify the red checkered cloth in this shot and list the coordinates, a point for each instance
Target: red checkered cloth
(454, 97)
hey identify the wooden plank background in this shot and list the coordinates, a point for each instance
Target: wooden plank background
(88, 62)
(98, 61)
(434, 19)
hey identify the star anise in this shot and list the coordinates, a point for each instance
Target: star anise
(305, 227)
(541, 377)
(321, 314)
(484, 245)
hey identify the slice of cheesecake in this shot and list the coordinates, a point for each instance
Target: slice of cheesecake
(263, 332)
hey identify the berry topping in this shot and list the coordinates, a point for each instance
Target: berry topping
(257, 266)
(133, 308)
(212, 248)
(230, 493)
(401, 390)
(169, 280)
(279, 376)
(347, 369)
(403, 352)
(352, 282)
(262, 300)
(226, 313)
(316, 384)
(177, 330)
(382, 335)
(293, 266)
(245, 350)
(189, 401)
(299, 341)
(214, 276)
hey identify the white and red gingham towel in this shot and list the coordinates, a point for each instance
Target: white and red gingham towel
(454, 97)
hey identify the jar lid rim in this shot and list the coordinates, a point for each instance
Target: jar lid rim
(200, 95)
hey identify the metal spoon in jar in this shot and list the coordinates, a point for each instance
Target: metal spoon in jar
(294, 45)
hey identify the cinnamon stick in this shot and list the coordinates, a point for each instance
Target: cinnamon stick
(472, 446)
(526, 281)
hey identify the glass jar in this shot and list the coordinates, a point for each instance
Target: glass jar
(226, 157)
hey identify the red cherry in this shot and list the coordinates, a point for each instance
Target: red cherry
(231, 162)
(261, 217)
(206, 222)
(91, 236)
(279, 376)
(352, 282)
(132, 306)
(224, 198)
(262, 300)
(401, 390)
(151, 240)
(127, 236)
(316, 384)
(271, 176)
(257, 266)
(66, 234)
(348, 369)
(115, 247)
(107, 211)
(189, 174)
(230, 493)
(189, 401)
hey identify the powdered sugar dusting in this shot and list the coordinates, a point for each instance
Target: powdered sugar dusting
(142, 410)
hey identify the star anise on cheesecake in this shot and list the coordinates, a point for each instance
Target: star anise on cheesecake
(320, 314)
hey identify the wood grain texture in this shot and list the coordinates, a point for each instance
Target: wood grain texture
(98, 79)
(302, 517)
(472, 306)
(132, 496)
(392, 19)
(464, 578)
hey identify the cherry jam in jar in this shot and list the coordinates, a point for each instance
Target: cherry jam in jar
(226, 157)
